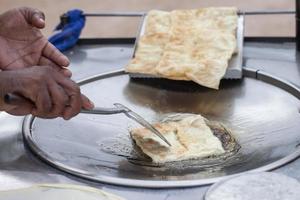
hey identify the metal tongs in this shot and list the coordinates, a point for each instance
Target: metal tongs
(14, 99)
(120, 108)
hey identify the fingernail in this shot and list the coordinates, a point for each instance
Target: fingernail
(92, 105)
(66, 117)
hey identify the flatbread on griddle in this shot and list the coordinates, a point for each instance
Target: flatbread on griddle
(190, 138)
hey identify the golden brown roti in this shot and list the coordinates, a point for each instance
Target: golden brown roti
(187, 45)
(190, 138)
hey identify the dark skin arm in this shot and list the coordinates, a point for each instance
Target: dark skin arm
(47, 85)
(49, 93)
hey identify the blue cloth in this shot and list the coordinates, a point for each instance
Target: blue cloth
(68, 31)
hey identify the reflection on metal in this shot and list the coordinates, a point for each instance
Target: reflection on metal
(263, 117)
(263, 185)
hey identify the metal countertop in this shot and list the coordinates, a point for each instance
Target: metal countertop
(19, 167)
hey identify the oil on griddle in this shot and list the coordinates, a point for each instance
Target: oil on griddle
(124, 146)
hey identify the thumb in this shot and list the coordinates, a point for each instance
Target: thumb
(33, 16)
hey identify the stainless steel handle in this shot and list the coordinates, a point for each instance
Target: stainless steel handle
(115, 14)
(14, 99)
(268, 12)
(141, 14)
(103, 111)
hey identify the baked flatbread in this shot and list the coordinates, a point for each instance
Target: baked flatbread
(194, 45)
(200, 45)
(151, 44)
(190, 138)
(148, 54)
(198, 54)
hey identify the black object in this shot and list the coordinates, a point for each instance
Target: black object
(15, 99)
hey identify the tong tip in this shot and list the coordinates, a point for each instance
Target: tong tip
(129, 113)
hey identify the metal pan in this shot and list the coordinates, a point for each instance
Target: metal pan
(261, 111)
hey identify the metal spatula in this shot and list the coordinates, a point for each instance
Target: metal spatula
(14, 99)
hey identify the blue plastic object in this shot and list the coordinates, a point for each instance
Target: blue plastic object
(68, 30)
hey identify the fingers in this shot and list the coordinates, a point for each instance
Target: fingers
(59, 100)
(43, 103)
(33, 16)
(55, 56)
(76, 99)
(17, 105)
(52, 94)
(9, 85)
(20, 110)
(86, 102)
(46, 62)
(65, 72)
(75, 103)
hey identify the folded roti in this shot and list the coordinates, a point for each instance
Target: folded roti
(190, 138)
(193, 45)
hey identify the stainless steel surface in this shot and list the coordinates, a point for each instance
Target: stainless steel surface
(237, 105)
(264, 185)
(235, 64)
(234, 70)
(19, 167)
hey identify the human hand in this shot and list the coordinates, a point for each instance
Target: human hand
(49, 94)
(23, 45)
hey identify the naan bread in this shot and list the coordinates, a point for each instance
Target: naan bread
(196, 45)
(57, 191)
(151, 45)
(157, 22)
(200, 45)
(150, 50)
(190, 138)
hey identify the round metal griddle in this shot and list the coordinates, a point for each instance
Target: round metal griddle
(261, 111)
